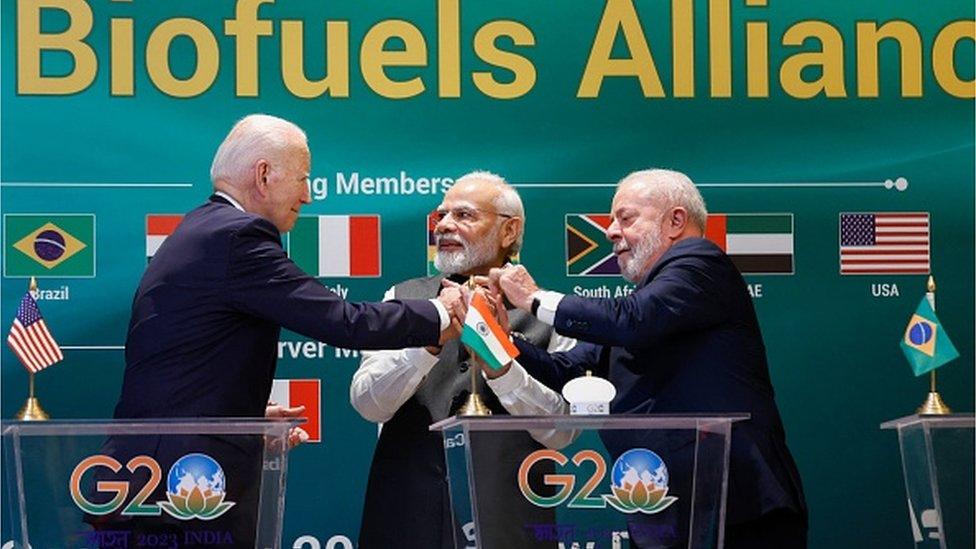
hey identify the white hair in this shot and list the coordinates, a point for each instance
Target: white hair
(508, 202)
(674, 189)
(252, 138)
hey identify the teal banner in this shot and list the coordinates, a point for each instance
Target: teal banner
(801, 122)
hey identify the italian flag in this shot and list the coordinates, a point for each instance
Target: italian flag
(336, 245)
(301, 392)
(483, 335)
(158, 227)
(756, 243)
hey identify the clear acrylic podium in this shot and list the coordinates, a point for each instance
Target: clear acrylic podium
(133, 483)
(653, 479)
(937, 460)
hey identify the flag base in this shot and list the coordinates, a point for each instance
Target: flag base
(32, 411)
(933, 405)
(474, 406)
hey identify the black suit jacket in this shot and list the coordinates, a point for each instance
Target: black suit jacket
(202, 340)
(687, 340)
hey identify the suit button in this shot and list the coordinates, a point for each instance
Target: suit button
(463, 366)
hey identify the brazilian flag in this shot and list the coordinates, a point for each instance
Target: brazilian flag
(926, 345)
(49, 245)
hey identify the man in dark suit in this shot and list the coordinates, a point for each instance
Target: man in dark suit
(202, 339)
(686, 340)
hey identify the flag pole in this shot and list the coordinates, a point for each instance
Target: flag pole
(474, 405)
(31, 410)
(933, 405)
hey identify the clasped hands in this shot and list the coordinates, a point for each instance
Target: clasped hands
(512, 282)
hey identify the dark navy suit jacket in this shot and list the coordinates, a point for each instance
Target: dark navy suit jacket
(687, 340)
(203, 336)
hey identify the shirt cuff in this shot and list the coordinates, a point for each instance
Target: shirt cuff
(442, 313)
(548, 303)
(512, 380)
(421, 360)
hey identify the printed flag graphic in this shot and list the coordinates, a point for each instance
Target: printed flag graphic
(337, 245)
(30, 339)
(756, 243)
(926, 344)
(158, 227)
(588, 252)
(884, 243)
(43, 245)
(483, 335)
(301, 392)
(432, 246)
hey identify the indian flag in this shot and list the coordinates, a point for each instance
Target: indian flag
(336, 245)
(158, 227)
(756, 243)
(483, 335)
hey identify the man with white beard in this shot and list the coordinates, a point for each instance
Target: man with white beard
(479, 226)
(687, 340)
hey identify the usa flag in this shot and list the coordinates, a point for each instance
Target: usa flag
(30, 339)
(884, 243)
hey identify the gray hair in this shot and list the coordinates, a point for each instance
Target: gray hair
(251, 139)
(508, 202)
(674, 189)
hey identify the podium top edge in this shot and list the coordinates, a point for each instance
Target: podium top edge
(935, 421)
(155, 426)
(567, 422)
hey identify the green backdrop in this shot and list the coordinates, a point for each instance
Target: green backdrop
(123, 152)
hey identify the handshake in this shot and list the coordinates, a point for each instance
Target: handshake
(513, 283)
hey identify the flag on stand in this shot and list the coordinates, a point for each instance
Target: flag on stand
(926, 344)
(30, 339)
(484, 336)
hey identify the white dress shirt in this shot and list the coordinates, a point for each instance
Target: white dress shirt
(387, 379)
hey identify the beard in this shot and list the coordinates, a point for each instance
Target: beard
(472, 256)
(635, 268)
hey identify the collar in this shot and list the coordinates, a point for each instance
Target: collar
(230, 200)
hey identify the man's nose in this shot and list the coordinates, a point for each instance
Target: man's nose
(613, 231)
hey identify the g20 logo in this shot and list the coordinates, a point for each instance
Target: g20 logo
(195, 488)
(639, 482)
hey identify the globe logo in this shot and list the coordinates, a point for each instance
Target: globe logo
(639, 481)
(920, 333)
(49, 245)
(195, 488)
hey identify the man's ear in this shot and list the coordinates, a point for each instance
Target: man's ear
(262, 171)
(511, 228)
(676, 222)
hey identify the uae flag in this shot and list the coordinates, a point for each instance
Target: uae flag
(756, 243)
(337, 245)
(289, 393)
(158, 227)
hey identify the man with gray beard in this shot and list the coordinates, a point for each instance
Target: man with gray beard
(687, 340)
(479, 227)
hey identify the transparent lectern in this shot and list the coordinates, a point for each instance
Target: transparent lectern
(658, 480)
(132, 483)
(937, 459)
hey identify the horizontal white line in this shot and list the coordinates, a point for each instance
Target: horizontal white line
(759, 243)
(894, 248)
(893, 265)
(95, 185)
(882, 239)
(884, 257)
(730, 185)
(93, 347)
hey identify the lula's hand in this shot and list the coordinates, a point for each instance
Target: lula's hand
(297, 435)
(516, 283)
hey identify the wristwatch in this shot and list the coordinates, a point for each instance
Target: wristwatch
(535, 306)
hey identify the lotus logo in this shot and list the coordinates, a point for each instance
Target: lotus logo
(195, 488)
(640, 483)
